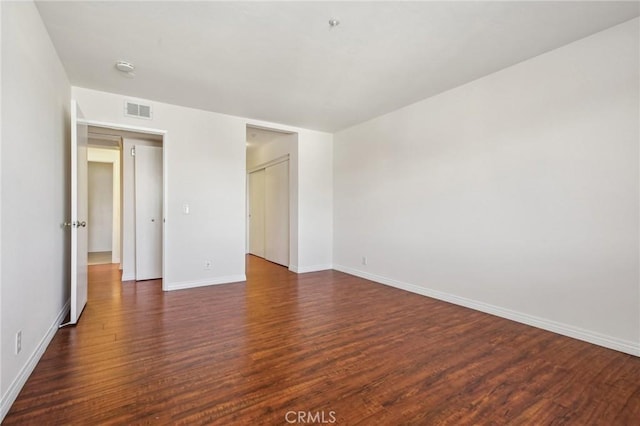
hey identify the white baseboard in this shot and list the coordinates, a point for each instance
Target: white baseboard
(128, 277)
(626, 346)
(310, 268)
(182, 285)
(16, 386)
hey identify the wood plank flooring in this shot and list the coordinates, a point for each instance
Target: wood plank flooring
(326, 344)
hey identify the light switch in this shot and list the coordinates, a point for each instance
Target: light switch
(185, 208)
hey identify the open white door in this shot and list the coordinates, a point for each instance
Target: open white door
(148, 214)
(79, 212)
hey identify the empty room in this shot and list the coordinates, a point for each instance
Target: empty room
(345, 213)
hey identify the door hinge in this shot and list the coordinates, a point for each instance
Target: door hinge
(133, 151)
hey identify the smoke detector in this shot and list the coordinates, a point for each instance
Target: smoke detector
(125, 67)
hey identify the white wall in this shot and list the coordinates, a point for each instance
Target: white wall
(205, 166)
(315, 201)
(516, 194)
(100, 222)
(35, 198)
(112, 157)
(129, 207)
(205, 159)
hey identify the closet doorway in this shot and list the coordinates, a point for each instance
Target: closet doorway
(269, 200)
(137, 239)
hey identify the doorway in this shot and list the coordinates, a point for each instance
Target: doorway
(101, 206)
(103, 178)
(137, 237)
(269, 194)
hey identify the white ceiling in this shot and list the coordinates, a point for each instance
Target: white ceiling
(282, 62)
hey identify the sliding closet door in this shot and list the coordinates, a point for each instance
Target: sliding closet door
(276, 184)
(256, 213)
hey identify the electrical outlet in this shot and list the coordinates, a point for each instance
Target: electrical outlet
(207, 264)
(364, 260)
(18, 342)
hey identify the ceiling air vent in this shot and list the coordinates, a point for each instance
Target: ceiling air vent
(132, 109)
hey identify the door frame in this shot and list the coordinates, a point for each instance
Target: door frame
(165, 144)
(294, 255)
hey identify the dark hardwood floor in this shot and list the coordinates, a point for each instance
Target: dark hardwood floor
(326, 344)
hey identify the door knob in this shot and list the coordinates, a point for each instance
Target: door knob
(83, 224)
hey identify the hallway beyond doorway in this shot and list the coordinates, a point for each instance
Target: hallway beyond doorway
(99, 258)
